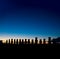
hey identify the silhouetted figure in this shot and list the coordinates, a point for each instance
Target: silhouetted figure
(6, 41)
(32, 41)
(20, 41)
(44, 41)
(28, 41)
(25, 41)
(49, 40)
(36, 40)
(1, 42)
(14, 41)
(11, 41)
(17, 41)
(40, 41)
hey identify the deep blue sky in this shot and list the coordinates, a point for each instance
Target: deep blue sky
(30, 17)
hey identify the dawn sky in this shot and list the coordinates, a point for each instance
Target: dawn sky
(29, 18)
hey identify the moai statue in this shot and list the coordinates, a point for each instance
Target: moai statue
(49, 40)
(36, 40)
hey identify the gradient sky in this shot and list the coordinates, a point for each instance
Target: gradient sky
(30, 18)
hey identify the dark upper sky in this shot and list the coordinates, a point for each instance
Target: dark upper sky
(30, 17)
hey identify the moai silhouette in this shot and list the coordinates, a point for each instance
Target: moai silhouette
(32, 41)
(40, 41)
(36, 40)
(25, 41)
(49, 40)
(20, 41)
(6, 41)
(28, 41)
(14, 41)
(1, 42)
(44, 41)
(11, 41)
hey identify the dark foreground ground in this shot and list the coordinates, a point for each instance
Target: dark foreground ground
(30, 46)
(29, 49)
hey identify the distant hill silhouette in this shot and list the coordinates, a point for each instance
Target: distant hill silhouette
(56, 41)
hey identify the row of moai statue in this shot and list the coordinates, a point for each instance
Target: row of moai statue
(29, 41)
